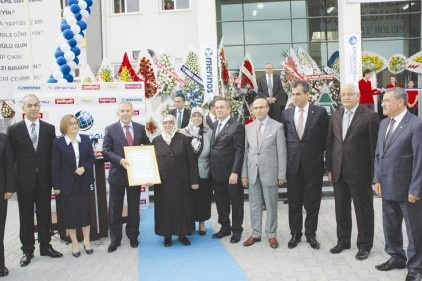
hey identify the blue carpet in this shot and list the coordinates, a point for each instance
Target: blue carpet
(206, 259)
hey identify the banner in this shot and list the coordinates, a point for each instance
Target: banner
(208, 57)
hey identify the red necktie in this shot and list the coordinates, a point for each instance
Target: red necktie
(128, 136)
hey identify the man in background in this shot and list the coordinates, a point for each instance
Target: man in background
(180, 112)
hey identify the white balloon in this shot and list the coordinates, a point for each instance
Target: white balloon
(71, 63)
(62, 81)
(57, 74)
(54, 66)
(73, 73)
(67, 12)
(85, 14)
(64, 47)
(76, 29)
(78, 38)
(82, 5)
(70, 20)
(61, 39)
(69, 56)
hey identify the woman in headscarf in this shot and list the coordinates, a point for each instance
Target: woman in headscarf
(200, 135)
(173, 198)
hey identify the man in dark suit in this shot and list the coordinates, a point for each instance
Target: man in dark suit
(306, 127)
(31, 140)
(123, 133)
(210, 119)
(7, 188)
(180, 112)
(270, 87)
(226, 158)
(352, 137)
(398, 179)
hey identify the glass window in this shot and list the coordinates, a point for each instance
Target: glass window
(298, 9)
(265, 32)
(234, 56)
(384, 47)
(231, 12)
(300, 30)
(168, 5)
(127, 6)
(267, 54)
(267, 10)
(233, 33)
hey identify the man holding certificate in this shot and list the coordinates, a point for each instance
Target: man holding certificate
(123, 133)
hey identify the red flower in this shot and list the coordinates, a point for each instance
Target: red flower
(151, 127)
(246, 82)
(126, 63)
(146, 73)
(224, 70)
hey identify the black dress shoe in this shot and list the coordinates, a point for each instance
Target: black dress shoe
(134, 243)
(313, 242)
(221, 234)
(338, 249)
(392, 263)
(76, 255)
(167, 241)
(185, 241)
(235, 238)
(413, 276)
(26, 259)
(49, 251)
(362, 255)
(89, 251)
(294, 241)
(113, 247)
(3, 271)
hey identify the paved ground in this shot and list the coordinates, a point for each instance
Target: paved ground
(260, 262)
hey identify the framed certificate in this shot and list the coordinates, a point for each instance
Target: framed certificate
(143, 168)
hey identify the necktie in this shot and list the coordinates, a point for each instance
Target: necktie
(346, 122)
(300, 123)
(129, 138)
(218, 129)
(270, 86)
(179, 119)
(259, 134)
(389, 133)
(34, 137)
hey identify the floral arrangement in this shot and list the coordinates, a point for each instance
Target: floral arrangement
(166, 110)
(146, 74)
(373, 61)
(191, 87)
(105, 75)
(124, 75)
(87, 80)
(166, 81)
(306, 61)
(126, 71)
(224, 72)
(6, 110)
(151, 128)
(414, 63)
(334, 62)
(397, 63)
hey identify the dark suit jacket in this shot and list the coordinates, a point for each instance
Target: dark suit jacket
(28, 161)
(210, 123)
(354, 157)
(398, 166)
(309, 151)
(7, 174)
(186, 116)
(227, 151)
(113, 143)
(278, 93)
(63, 163)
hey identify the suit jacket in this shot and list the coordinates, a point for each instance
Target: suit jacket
(398, 166)
(309, 151)
(354, 157)
(113, 144)
(278, 93)
(186, 116)
(227, 151)
(63, 163)
(270, 158)
(28, 162)
(209, 121)
(7, 174)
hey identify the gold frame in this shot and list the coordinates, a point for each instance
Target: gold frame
(147, 152)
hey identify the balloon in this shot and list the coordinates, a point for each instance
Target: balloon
(69, 78)
(88, 3)
(62, 81)
(51, 80)
(82, 34)
(71, 2)
(76, 51)
(76, 60)
(61, 60)
(78, 16)
(58, 53)
(69, 55)
(64, 47)
(75, 8)
(61, 39)
(72, 43)
(75, 29)
(88, 10)
(73, 73)
(85, 14)
(78, 38)
(67, 12)
(83, 5)
(72, 65)
(70, 20)
(54, 66)
(64, 26)
(65, 69)
(82, 24)
(57, 74)
(68, 34)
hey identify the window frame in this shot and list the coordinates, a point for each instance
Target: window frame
(113, 10)
(161, 4)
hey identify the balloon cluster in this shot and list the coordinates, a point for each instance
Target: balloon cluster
(72, 26)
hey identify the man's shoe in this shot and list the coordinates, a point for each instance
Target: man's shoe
(294, 241)
(113, 247)
(167, 241)
(273, 243)
(3, 271)
(221, 234)
(235, 238)
(185, 241)
(313, 242)
(392, 263)
(413, 276)
(362, 255)
(26, 259)
(134, 243)
(49, 251)
(338, 249)
(250, 241)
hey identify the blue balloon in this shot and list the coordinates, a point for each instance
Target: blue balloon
(58, 53)
(64, 26)
(78, 16)
(51, 80)
(65, 69)
(88, 3)
(76, 60)
(68, 77)
(72, 42)
(82, 24)
(68, 34)
(75, 8)
(88, 10)
(61, 61)
(82, 34)
(71, 2)
(76, 51)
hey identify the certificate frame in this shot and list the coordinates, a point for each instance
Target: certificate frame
(143, 167)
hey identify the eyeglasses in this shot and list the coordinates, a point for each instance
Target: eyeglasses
(73, 123)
